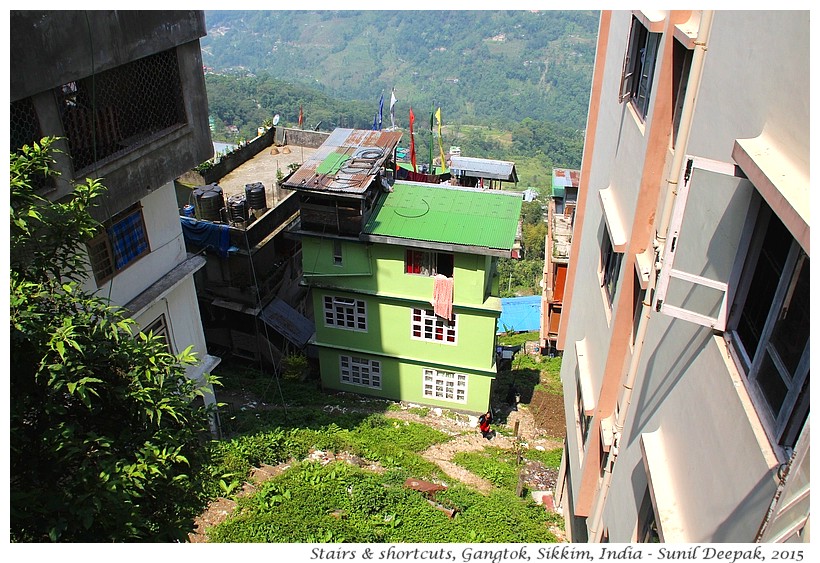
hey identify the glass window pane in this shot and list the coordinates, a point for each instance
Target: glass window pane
(791, 332)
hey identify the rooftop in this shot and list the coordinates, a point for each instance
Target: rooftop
(484, 168)
(466, 219)
(346, 163)
(263, 168)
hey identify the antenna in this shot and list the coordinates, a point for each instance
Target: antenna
(276, 120)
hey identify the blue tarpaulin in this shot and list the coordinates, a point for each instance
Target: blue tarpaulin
(520, 314)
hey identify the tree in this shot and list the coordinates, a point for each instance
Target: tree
(107, 439)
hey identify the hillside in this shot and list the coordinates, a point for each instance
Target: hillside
(482, 67)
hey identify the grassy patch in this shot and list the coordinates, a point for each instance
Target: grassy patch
(496, 465)
(341, 503)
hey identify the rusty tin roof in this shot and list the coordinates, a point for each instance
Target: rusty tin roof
(346, 163)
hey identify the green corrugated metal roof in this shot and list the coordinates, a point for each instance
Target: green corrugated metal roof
(447, 215)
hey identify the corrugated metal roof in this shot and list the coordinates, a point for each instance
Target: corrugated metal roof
(346, 162)
(565, 178)
(285, 320)
(447, 215)
(484, 168)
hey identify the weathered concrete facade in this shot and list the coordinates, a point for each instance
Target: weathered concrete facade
(125, 93)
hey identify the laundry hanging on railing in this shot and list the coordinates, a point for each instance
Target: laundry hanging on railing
(443, 297)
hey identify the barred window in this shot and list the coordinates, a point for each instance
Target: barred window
(360, 371)
(24, 129)
(108, 113)
(123, 240)
(24, 126)
(344, 312)
(445, 385)
(425, 325)
(159, 327)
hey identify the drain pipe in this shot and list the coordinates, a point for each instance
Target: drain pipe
(684, 130)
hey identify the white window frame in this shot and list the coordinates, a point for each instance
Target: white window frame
(363, 372)
(668, 272)
(444, 385)
(745, 235)
(426, 325)
(345, 312)
(778, 424)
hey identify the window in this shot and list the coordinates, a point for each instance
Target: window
(770, 326)
(122, 241)
(115, 110)
(425, 325)
(445, 385)
(343, 312)
(647, 521)
(426, 263)
(681, 65)
(638, 296)
(360, 371)
(610, 267)
(639, 67)
(584, 419)
(337, 252)
(159, 327)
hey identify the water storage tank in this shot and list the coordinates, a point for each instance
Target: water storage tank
(255, 195)
(237, 208)
(208, 202)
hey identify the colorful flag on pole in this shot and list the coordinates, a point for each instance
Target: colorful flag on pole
(377, 120)
(392, 106)
(412, 141)
(440, 146)
(301, 117)
(432, 117)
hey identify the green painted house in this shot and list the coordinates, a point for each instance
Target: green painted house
(402, 274)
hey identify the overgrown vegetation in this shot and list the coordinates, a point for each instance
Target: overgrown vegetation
(106, 437)
(339, 502)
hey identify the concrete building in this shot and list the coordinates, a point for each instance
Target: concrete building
(126, 93)
(236, 215)
(402, 274)
(560, 221)
(686, 317)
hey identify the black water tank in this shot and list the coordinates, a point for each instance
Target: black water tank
(255, 195)
(208, 202)
(237, 208)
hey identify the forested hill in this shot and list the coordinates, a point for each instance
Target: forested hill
(481, 67)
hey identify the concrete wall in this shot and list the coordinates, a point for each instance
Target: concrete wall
(720, 468)
(49, 49)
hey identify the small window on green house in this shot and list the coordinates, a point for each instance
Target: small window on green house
(428, 263)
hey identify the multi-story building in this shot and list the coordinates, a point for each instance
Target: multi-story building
(560, 220)
(402, 274)
(686, 317)
(125, 93)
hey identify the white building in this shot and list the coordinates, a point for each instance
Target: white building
(125, 92)
(687, 385)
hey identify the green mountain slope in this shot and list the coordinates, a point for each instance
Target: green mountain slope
(481, 67)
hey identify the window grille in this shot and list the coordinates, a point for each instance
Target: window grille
(445, 385)
(425, 325)
(122, 241)
(343, 312)
(111, 112)
(25, 130)
(360, 371)
(23, 124)
(159, 327)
